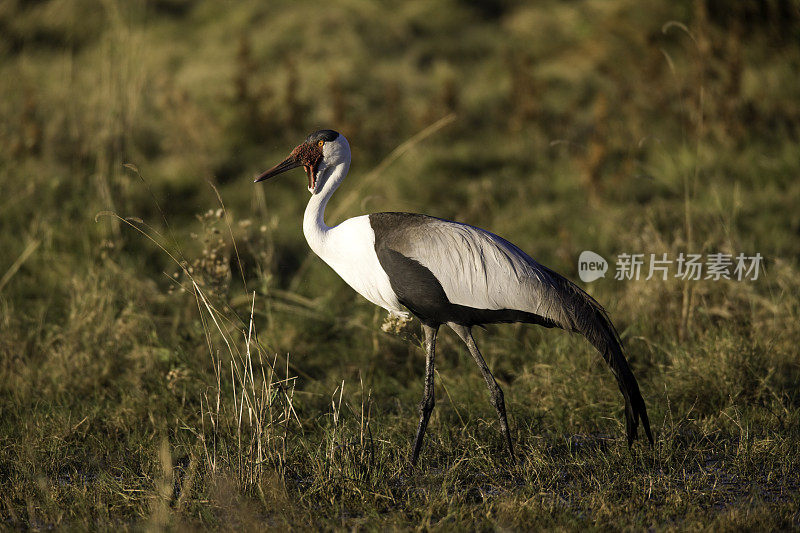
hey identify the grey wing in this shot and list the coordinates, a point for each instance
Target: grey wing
(475, 268)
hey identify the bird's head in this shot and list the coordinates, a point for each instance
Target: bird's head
(321, 152)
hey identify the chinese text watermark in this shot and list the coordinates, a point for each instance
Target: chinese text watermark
(712, 266)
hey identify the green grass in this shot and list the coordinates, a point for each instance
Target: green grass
(173, 356)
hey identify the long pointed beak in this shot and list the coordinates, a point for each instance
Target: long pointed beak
(287, 164)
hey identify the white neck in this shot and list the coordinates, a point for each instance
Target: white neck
(314, 227)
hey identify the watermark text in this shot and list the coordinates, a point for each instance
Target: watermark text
(686, 266)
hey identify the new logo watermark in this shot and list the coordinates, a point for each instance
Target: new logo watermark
(714, 267)
(591, 266)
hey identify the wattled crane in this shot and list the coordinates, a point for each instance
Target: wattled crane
(445, 272)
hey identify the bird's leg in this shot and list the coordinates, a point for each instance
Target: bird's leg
(428, 400)
(496, 393)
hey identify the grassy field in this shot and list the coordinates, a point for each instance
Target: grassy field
(173, 356)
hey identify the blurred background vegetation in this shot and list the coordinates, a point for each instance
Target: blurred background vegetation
(615, 126)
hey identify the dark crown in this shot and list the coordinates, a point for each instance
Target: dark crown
(322, 135)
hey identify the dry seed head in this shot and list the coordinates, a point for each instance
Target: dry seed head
(395, 323)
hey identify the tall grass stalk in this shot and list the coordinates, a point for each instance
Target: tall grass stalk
(261, 403)
(245, 433)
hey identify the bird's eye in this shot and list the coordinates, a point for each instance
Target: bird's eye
(320, 143)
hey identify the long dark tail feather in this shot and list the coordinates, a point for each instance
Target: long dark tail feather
(582, 314)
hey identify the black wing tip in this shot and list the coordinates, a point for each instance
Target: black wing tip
(633, 436)
(646, 424)
(632, 423)
(631, 426)
(641, 411)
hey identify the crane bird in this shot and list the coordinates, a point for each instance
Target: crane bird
(445, 272)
